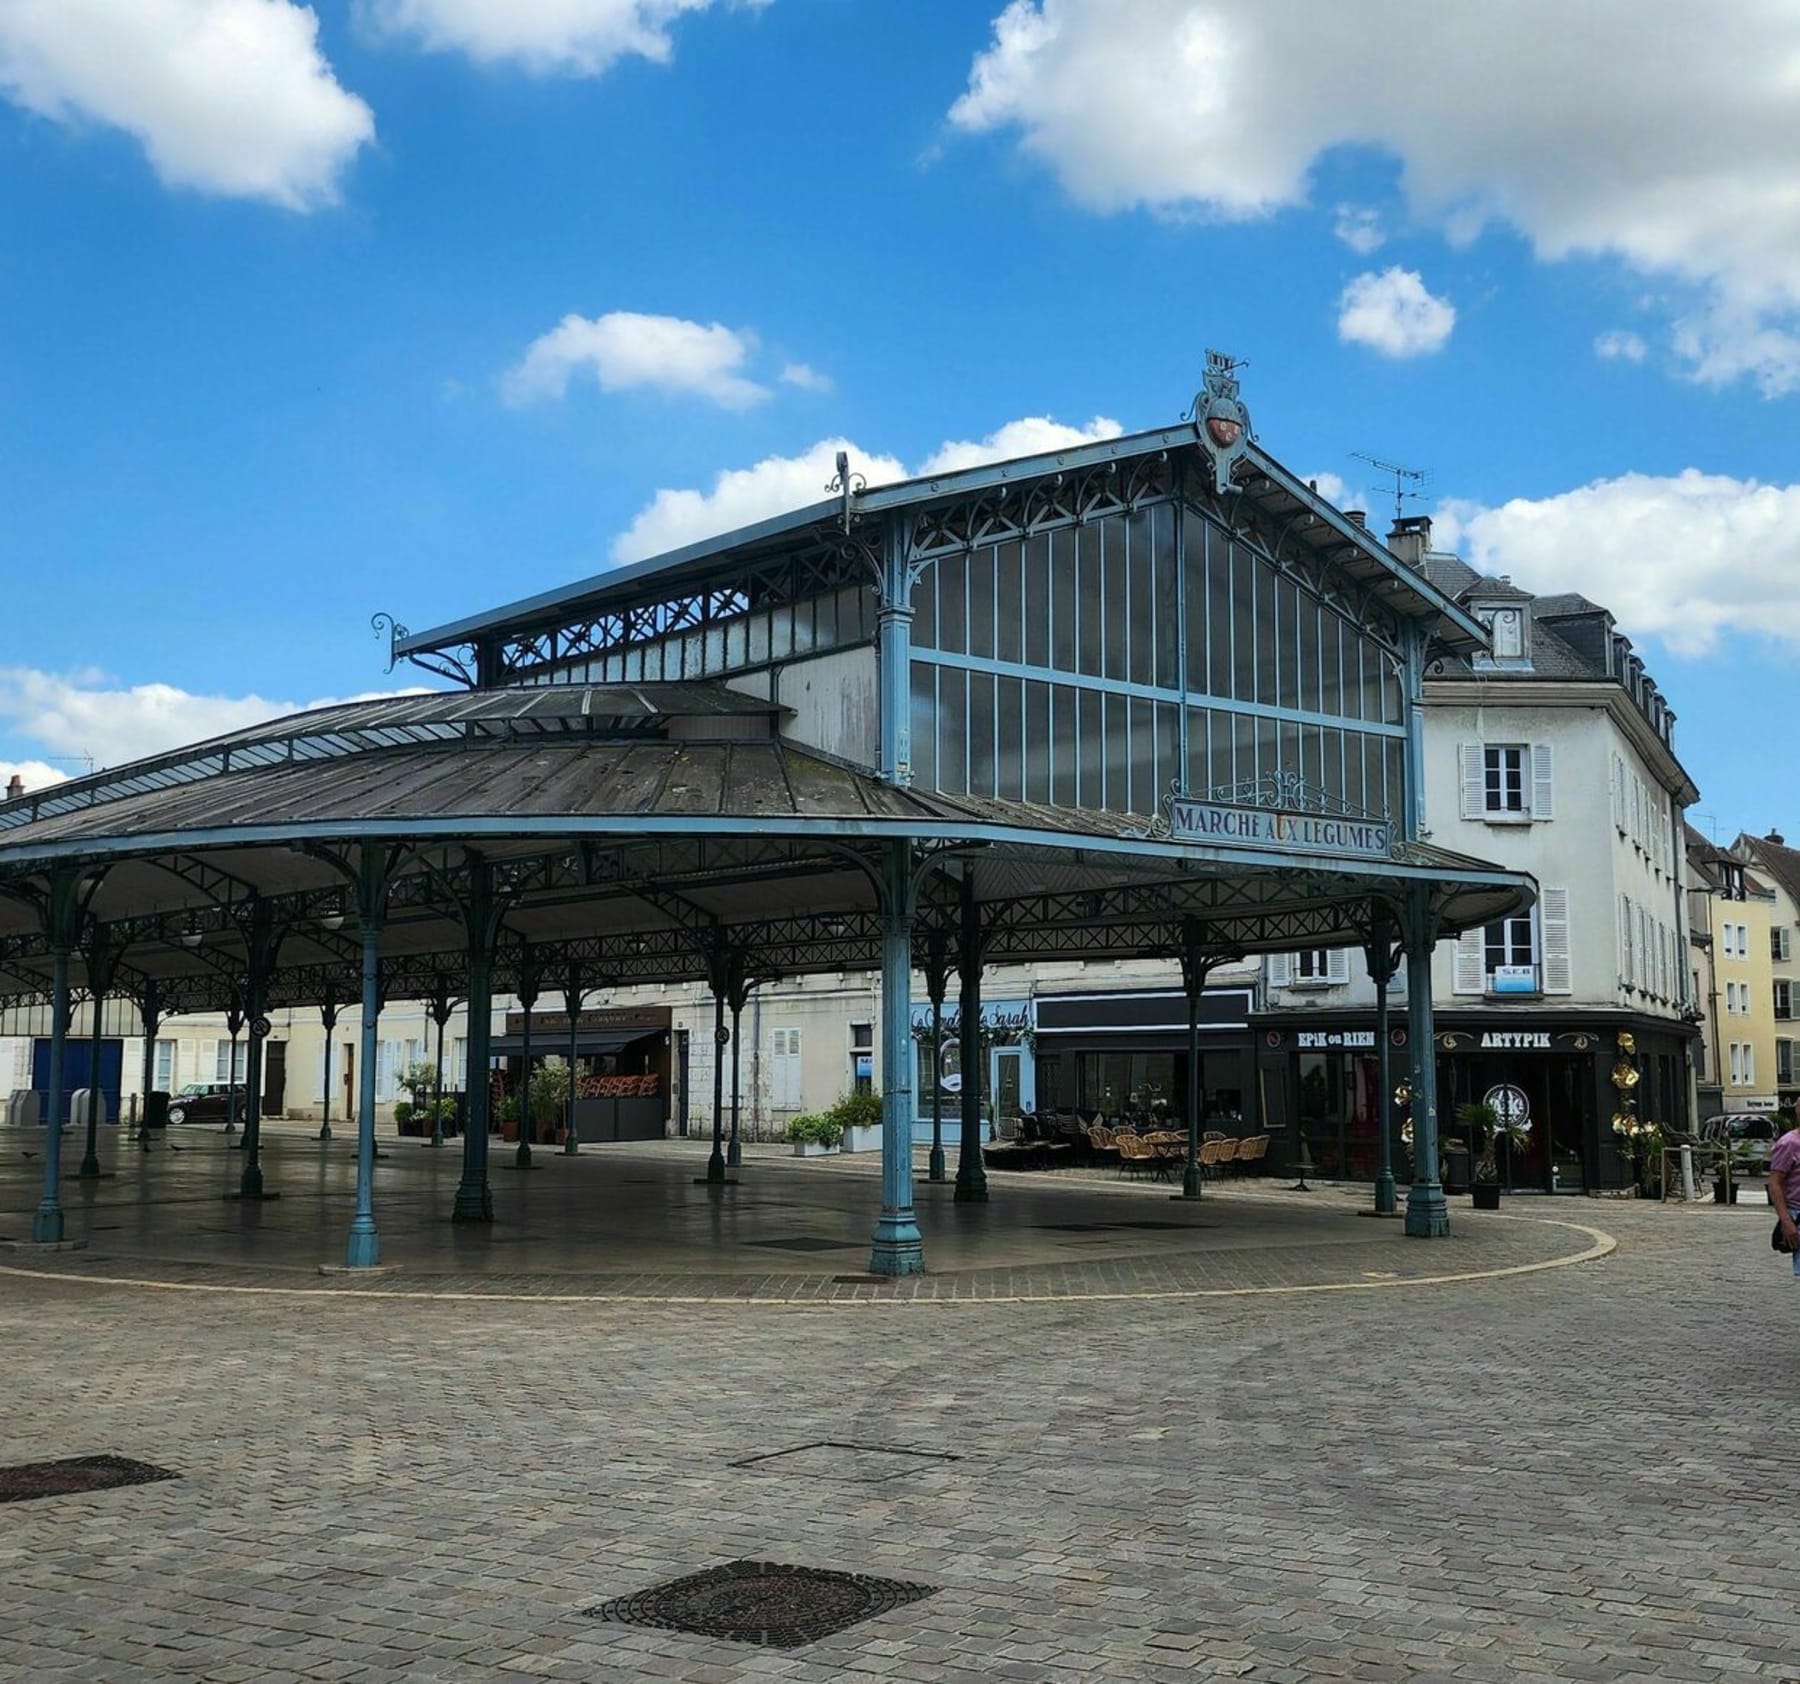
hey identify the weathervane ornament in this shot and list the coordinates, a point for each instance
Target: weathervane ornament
(1220, 419)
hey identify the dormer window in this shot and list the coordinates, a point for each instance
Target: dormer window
(1508, 633)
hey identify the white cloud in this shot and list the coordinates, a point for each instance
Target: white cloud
(741, 496)
(1621, 345)
(1338, 491)
(1359, 227)
(1394, 314)
(778, 484)
(1030, 435)
(85, 713)
(1689, 559)
(226, 96)
(547, 37)
(806, 377)
(1726, 342)
(1642, 136)
(624, 351)
(34, 774)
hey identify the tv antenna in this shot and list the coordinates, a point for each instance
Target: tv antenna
(1401, 478)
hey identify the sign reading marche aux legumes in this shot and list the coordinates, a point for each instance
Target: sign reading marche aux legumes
(1270, 827)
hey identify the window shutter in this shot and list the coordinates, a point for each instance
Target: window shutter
(1474, 780)
(1553, 912)
(1281, 969)
(1543, 781)
(1618, 794)
(1471, 962)
(1627, 973)
(187, 1064)
(1337, 966)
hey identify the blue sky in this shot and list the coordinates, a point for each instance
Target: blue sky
(266, 327)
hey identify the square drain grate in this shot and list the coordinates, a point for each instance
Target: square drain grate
(830, 1458)
(806, 1242)
(762, 1602)
(75, 1474)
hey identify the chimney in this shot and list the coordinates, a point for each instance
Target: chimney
(1357, 517)
(15, 787)
(1774, 836)
(1411, 539)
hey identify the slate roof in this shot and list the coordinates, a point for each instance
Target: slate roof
(1774, 859)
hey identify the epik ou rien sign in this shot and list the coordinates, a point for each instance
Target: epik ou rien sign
(1272, 828)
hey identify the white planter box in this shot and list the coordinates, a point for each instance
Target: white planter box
(861, 1140)
(811, 1149)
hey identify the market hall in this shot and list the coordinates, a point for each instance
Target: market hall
(1146, 697)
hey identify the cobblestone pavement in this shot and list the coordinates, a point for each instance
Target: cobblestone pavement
(1570, 1474)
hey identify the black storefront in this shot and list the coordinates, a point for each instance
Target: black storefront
(1565, 1075)
(1125, 1054)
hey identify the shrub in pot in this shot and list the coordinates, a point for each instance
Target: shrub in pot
(1482, 1123)
(858, 1117)
(812, 1135)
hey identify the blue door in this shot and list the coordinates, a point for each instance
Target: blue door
(77, 1062)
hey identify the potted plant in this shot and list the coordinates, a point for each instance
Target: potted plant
(858, 1117)
(1482, 1123)
(814, 1136)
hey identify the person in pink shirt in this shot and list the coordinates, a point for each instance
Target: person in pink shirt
(1784, 1189)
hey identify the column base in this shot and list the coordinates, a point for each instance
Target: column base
(1191, 1182)
(474, 1203)
(522, 1157)
(898, 1247)
(364, 1249)
(1427, 1215)
(734, 1155)
(47, 1226)
(1387, 1198)
(971, 1192)
(325, 1132)
(715, 1166)
(937, 1170)
(250, 1183)
(571, 1147)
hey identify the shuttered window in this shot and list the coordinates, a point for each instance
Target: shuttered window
(1627, 968)
(784, 1069)
(1507, 781)
(1558, 966)
(164, 1076)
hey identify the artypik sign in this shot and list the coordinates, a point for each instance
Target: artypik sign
(1278, 830)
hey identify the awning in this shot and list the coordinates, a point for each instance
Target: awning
(589, 1043)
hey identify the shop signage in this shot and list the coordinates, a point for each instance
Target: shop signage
(598, 1018)
(1511, 1104)
(1284, 832)
(1312, 1039)
(1516, 1040)
(1515, 979)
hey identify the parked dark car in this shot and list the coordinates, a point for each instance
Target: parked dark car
(207, 1102)
(1751, 1136)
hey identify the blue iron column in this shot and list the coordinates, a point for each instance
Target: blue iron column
(1427, 1215)
(719, 977)
(528, 991)
(439, 1006)
(898, 1247)
(572, 997)
(102, 965)
(1382, 959)
(364, 1250)
(47, 1220)
(264, 940)
(150, 1009)
(1195, 966)
(741, 984)
(328, 1016)
(234, 1027)
(937, 976)
(474, 1197)
(971, 1172)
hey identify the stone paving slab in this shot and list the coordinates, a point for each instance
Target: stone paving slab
(1568, 1474)
(627, 1222)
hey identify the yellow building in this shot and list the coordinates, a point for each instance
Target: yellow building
(1778, 867)
(1737, 911)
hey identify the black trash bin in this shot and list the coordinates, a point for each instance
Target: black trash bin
(1453, 1166)
(156, 1109)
